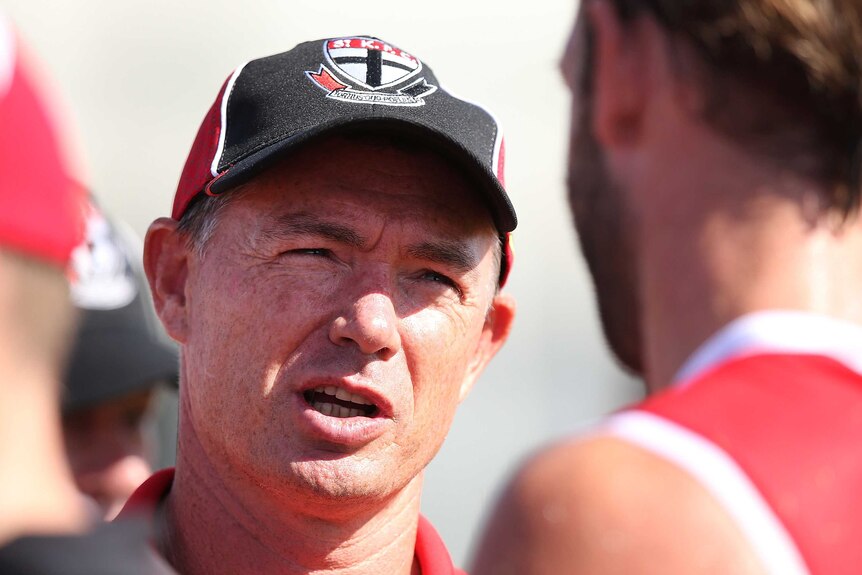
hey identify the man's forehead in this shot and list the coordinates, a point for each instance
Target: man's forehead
(375, 175)
(567, 63)
(462, 251)
(572, 57)
(353, 223)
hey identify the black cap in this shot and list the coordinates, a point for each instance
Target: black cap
(272, 104)
(119, 348)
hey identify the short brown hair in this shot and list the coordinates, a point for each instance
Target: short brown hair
(201, 218)
(781, 76)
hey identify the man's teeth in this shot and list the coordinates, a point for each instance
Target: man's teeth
(335, 410)
(343, 394)
(319, 403)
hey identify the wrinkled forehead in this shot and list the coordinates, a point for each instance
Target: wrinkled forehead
(575, 53)
(375, 175)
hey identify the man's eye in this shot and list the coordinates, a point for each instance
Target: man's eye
(440, 278)
(310, 252)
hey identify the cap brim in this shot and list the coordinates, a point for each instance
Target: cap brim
(501, 209)
(109, 364)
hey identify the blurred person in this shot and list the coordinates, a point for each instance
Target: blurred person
(715, 184)
(45, 526)
(331, 272)
(118, 362)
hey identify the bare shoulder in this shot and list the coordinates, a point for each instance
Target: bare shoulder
(604, 506)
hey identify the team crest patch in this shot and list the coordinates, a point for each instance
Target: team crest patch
(369, 71)
(101, 275)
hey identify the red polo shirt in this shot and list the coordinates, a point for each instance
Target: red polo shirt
(431, 553)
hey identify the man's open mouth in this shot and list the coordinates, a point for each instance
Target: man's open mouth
(336, 402)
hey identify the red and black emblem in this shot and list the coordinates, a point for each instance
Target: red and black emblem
(369, 71)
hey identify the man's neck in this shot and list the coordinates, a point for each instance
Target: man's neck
(209, 526)
(756, 243)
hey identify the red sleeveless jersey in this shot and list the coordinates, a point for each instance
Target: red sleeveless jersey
(776, 439)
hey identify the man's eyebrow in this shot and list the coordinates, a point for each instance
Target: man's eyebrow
(289, 226)
(450, 254)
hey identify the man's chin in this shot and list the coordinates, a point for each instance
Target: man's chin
(627, 353)
(618, 313)
(340, 479)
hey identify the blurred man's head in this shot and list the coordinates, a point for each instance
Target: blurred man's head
(40, 220)
(117, 363)
(40, 223)
(777, 80)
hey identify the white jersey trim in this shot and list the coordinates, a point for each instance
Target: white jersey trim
(721, 476)
(223, 128)
(778, 331)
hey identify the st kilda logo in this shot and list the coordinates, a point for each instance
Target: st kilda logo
(369, 71)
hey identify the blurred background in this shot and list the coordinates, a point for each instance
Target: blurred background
(135, 78)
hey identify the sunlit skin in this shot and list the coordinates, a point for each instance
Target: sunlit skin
(360, 265)
(107, 449)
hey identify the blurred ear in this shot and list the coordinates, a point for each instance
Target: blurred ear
(166, 265)
(495, 332)
(621, 68)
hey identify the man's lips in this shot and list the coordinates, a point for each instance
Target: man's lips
(341, 399)
(338, 402)
(343, 413)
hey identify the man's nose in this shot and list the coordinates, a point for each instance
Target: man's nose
(371, 324)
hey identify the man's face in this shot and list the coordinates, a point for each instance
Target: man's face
(106, 446)
(601, 212)
(337, 318)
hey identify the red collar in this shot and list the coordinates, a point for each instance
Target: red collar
(431, 552)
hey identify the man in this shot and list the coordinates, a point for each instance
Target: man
(715, 181)
(44, 522)
(118, 362)
(331, 272)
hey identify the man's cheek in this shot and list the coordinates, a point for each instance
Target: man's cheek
(435, 329)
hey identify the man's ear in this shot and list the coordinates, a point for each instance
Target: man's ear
(166, 265)
(620, 71)
(495, 332)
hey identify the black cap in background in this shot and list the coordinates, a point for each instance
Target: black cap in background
(120, 346)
